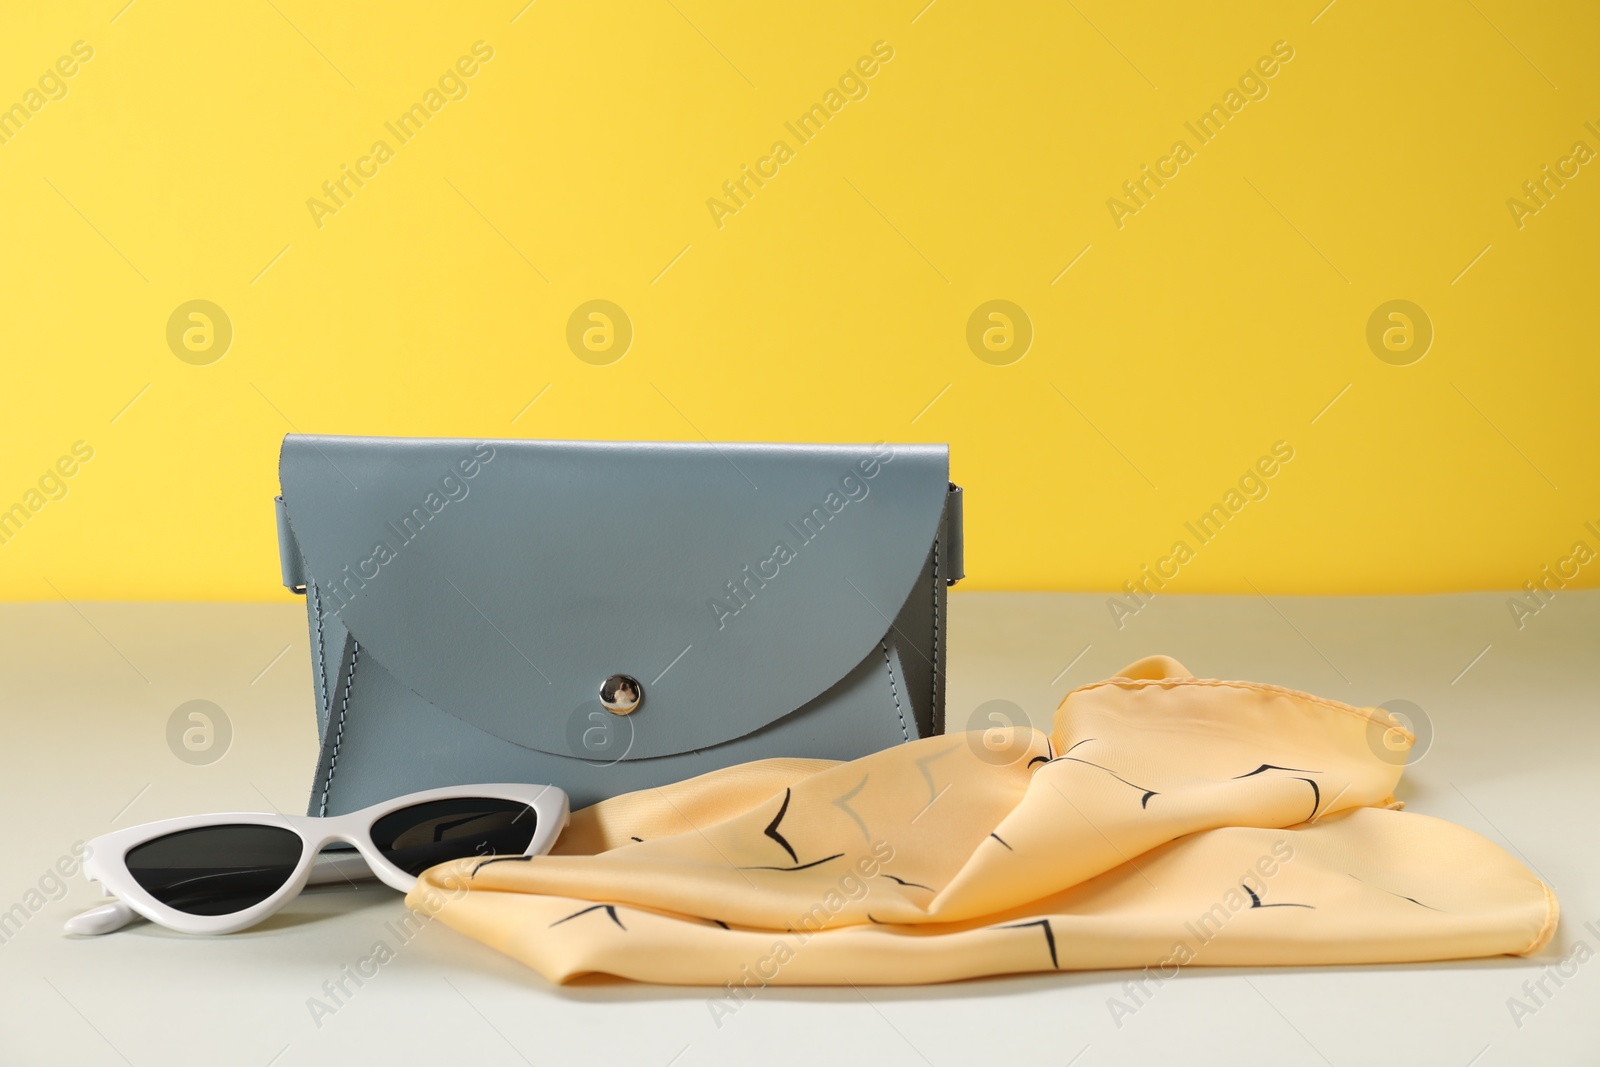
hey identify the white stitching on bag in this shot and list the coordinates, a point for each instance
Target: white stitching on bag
(322, 667)
(895, 692)
(338, 737)
(933, 703)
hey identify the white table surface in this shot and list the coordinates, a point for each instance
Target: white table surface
(86, 691)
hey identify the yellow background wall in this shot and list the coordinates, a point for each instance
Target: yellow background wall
(1227, 313)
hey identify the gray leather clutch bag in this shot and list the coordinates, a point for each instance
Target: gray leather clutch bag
(610, 616)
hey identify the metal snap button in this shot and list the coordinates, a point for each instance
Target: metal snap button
(620, 694)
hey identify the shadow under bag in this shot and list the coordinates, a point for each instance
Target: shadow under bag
(611, 616)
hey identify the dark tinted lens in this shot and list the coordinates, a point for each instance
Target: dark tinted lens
(216, 870)
(417, 837)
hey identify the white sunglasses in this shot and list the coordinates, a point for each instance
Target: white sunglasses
(215, 874)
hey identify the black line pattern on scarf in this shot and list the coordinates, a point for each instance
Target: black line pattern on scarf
(902, 881)
(1144, 801)
(498, 859)
(610, 909)
(1255, 901)
(1316, 791)
(1049, 937)
(772, 827)
(1392, 893)
(799, 867)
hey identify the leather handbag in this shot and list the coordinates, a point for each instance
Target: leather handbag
(611, 616)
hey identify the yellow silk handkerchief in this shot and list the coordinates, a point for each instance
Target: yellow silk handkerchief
(1165, 821)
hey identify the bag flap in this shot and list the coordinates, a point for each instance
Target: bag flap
(504, 581)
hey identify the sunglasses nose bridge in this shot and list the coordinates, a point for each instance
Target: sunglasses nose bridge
(377, 863)
(360, 839)
(315, 838)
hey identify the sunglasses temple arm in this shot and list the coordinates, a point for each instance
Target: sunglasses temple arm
(102, 920)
